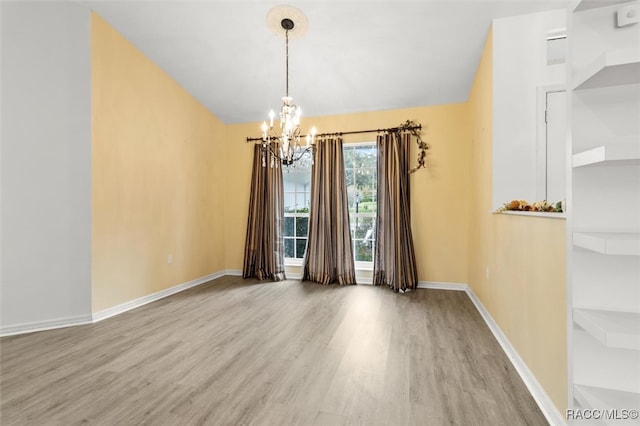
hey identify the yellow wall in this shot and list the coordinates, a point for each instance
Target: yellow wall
(157, 167)
(525, 291)
(169, 178)
(439, 194)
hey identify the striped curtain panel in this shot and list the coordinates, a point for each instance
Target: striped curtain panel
(329, 255)
(394, 261)
(264, 245)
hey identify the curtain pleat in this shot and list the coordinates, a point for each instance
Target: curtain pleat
(264, 245)
(329, 254)
(394, 260)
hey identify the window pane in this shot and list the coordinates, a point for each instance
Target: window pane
(365, 156)
(302, 226)
(301, 245)
(354, 198)
(298, 177)
(349, 177)
(368, 202)
(556, 51)
(365, 179)
(288, 247)
(348, 154)
(288, 226)
(362, 202)
(302, 205)
(364, 251)
(363, 226)
(289, 202)
(288, 184)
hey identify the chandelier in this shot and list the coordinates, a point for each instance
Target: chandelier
(282, 144)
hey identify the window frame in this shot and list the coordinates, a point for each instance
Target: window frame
(295, 261)
(363, 265)
(359, 264)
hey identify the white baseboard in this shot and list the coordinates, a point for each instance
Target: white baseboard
(443, 285)
(32, 327)
(136, 303)
(547, 406)
(109, 312)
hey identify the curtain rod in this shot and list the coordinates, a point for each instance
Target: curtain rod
(353, 132)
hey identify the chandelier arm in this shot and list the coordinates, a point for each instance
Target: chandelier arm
(271, 151)
(302, 153)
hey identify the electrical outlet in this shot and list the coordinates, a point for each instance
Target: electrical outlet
(486, 273)
(170, 259)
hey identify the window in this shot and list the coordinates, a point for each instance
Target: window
(360, 161)
(557, 47)
(297, 187)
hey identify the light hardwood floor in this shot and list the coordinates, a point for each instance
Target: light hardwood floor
(236, 352)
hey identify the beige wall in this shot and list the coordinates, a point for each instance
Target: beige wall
(525, 290)
(440, 194)
(157, 168)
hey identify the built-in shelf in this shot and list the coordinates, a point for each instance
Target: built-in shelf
(616, 67)
(592, 4)
(619, 155)
(612, 329)
(603, 268)
(613, 402)
(610, 243)
(597, 365)
(549, 215)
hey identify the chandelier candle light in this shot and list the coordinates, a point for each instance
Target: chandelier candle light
(285, 148)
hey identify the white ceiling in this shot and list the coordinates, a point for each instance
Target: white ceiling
(356, 56)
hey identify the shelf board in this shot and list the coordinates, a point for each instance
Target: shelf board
(616, 67)
(592, 4)
(596, 365)
(618, 155)
(590, 397)
(612, 329)
(610, 243)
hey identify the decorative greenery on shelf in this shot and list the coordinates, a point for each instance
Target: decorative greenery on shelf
(414, 129)
(538, 206)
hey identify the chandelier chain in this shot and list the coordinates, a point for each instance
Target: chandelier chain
(286, 35)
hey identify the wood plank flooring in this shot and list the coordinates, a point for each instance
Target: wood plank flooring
(242, 352)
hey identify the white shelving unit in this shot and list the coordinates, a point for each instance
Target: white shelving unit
(590, 4)
(627, 154)
(609, 243)
(612, 329)
(609, 400)
(617, 67)
(603, 259)
(602, 367)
